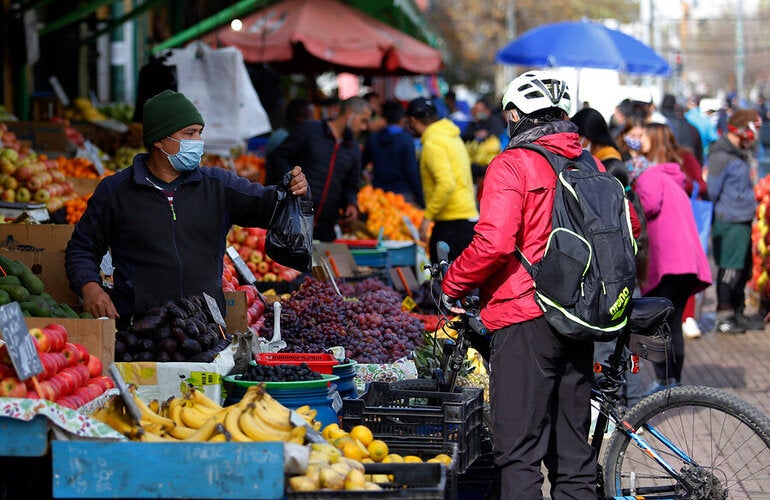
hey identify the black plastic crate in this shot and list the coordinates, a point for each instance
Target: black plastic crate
(420, 419)
(429, 450)
(419, 481)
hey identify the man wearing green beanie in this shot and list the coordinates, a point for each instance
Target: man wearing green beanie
(164, 219)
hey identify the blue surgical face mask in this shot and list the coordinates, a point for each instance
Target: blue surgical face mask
(633, 143)
(188, 157)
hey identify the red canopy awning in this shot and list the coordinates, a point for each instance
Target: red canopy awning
(311, 36)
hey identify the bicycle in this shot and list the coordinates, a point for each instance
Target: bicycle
(684, 443)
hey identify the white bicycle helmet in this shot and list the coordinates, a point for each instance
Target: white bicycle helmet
(536, 90)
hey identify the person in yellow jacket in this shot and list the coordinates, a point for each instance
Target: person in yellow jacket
(447, 183)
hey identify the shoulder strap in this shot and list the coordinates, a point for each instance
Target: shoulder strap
(558, 163)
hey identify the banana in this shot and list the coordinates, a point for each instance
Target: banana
(310, 416)
(273, 416)
(232, 425)
(204, 433)
(152, 427)
(195, 419)
(275, 407)
(220, 435)
(257, 430)
(181, 432)
(175, 410)
(201, 399)
(151, 416)
(151, 437)
(302, 409)
(297, 435)
(154, 406)
(122, 424)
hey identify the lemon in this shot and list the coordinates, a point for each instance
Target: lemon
(378, 450)
(362, 433)
(393, 458)
(352, 450)
(326, 433)
(412, 459)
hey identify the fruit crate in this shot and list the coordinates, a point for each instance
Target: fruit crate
(374, 257)
(318, 362)
(427, 451)
(421, 419)
(423, 481)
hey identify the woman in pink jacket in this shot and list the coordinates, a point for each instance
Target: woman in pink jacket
(677, 266)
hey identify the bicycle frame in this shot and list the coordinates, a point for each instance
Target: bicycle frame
(607, 400)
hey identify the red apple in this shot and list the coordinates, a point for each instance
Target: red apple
(12, 387)
(68, 402)
(95, 366)
(96, 388)
(257, 257)
(245, 252)
(67, 381)
(61, 360)
(48, 390)
(84, 354)
(58, 336)
(72, 353)
(84, 372)
(263, 267)
(5, 356)
(42, 341)
(240, 235)
(58, 327)
(32, 394)
(86, 393)
(104, 381)
(7, 371)
(50, 363)
(251, 242)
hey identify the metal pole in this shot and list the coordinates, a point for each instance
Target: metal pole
(740, 52)
(118, 55)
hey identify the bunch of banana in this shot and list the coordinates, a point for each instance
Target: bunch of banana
(196, 417)
(115, 414)
(328, 469)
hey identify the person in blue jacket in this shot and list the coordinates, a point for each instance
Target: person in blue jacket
(164, 219)
(393, 156)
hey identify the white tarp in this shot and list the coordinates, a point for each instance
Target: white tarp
(217, 82)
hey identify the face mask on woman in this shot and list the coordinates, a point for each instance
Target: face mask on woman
(633, 143)
(188, 157)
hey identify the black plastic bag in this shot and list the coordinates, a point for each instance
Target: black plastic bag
(289, 239)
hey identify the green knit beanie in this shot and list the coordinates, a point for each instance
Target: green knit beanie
(167, 113)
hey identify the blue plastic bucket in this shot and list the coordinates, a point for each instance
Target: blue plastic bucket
(346, 384)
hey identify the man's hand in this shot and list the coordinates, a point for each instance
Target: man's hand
(425, 231)
(351, 214)
(97, 302)
(448, 303)
(298, 183)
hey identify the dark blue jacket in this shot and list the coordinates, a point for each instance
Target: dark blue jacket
(729, 182)
(163, 252)
(392, 152)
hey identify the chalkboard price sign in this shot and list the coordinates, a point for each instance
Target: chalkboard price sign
(14, 331)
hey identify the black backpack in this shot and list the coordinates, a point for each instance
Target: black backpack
(585, 280)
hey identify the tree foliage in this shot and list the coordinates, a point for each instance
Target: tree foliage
(475, 30)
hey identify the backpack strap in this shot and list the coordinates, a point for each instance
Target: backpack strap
(558, 163)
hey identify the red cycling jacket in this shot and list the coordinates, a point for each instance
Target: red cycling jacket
(519, 187)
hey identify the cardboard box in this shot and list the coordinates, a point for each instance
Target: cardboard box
(160, 381)
(83, 187)
(98, 335)
(236, 318)
(47, 262)
(44, 136)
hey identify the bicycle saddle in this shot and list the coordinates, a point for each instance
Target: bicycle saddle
(647, 313)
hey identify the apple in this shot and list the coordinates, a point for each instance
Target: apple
(257, 257)
(62, 337)
(68, 402)
(84, 354)
(50, 365)
(41, 195)
(269, 277)
(95, 366)
(32, 394)
(85, 393)
(57, 385)
(95, 388)
(5, 356)
(250, 291)
(47, 390)
(245, 252)
(84, 372)
(240, 235)
(6, 371)
(67, 381)
(72, 353)
(61, 360)
(252, 266)
(263, 267)
(12, 387)
(104, 381)
(42, 339)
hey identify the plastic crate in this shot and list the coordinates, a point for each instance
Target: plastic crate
(424, 481)
(377, 257)
(420, 418)
(401, 254)
(427, 451)
(318, 362)
(358, 243)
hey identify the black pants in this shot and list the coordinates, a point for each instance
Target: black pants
(540, 387)
(456, 233)
(677, 288)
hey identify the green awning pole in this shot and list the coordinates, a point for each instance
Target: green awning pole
(73, 16)
(136, 12)
(208, 24)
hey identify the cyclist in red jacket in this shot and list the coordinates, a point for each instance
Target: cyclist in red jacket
(540, 381)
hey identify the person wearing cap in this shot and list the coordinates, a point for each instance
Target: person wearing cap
(329, 154)
(164, 219)
(540, 380)
(732, 191)
(447, 183)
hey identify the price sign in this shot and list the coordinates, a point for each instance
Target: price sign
(240, 266)
(128, 398)
(20, 345)
(214, 309)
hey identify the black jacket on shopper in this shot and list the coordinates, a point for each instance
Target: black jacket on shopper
(312, 146)
(163, 251)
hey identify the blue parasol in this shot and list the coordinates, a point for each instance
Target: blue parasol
(582, 44)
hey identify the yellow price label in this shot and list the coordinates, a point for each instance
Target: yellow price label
(408, 304)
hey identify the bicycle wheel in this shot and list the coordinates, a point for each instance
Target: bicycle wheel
(727, 439)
